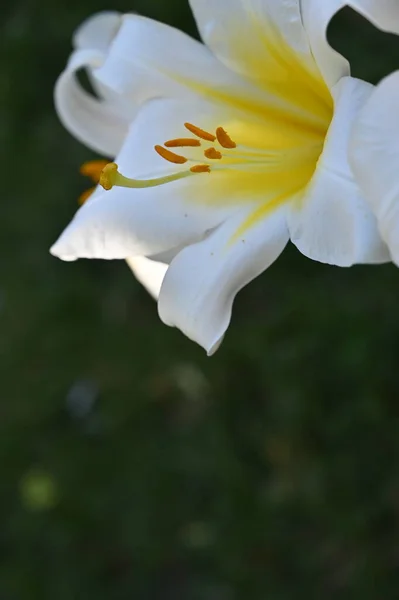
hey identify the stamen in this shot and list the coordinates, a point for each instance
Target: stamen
(213, 153)
(110, 176)
(201, 133)
(224, 139)
(181, 142)
(200, 169)
(170, 156)
(85, 195)
(93, 168)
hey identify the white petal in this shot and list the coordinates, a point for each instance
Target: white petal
(245, 35)
(317, 15)
(149, 273)
(382, 13)
(237, 32)
(148, 59)
(374, 155)
(97, 32)
(200, 285)
(130, 222)
(90, 120)
(333, 223)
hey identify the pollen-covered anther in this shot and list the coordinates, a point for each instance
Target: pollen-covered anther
(183, 142)
(108, 176)
(201, 133)
(177, 159)
(213, 153)
(200, 169)
(224, 139)
(93, 168)
(84, 196)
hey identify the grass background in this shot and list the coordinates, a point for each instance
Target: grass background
(132, 466)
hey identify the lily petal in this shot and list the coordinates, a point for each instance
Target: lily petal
(382, 13)
(90, 120)
(247, 36)
(333, 223)
(316, 18)
(128, 222)
(201, 283)
(148, 59)
(150, 273)
(97, 32)
(374, 156)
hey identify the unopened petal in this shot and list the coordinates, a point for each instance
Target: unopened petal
(201, 283)
(333, 223)
(374, 156)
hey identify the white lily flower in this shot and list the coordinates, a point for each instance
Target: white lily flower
(239, 145)
(374, 147)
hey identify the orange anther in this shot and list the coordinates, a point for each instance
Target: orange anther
(200, 169)
(224, 139)
(86, 195)
(201, 133)
(170, 156)
(213, 153)
(93, 168)
(181, 142)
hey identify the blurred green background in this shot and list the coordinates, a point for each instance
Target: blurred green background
(131, 465)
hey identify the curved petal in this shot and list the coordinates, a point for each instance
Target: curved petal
(150, 273)
(97, 32)
(382, 13)
(374, 156)
(333, 223)
(128, 222)
(148, 59)
(201, 283)
(123, 223)
(316, 16)
(90, 120)
(250, 36)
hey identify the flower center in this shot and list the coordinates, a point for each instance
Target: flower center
(207, 153)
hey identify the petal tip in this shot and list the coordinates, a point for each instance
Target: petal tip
(61, 250)
(213, 348)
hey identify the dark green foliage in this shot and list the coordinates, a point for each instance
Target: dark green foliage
(133, 467)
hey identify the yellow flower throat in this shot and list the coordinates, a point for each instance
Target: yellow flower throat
(221, 153)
